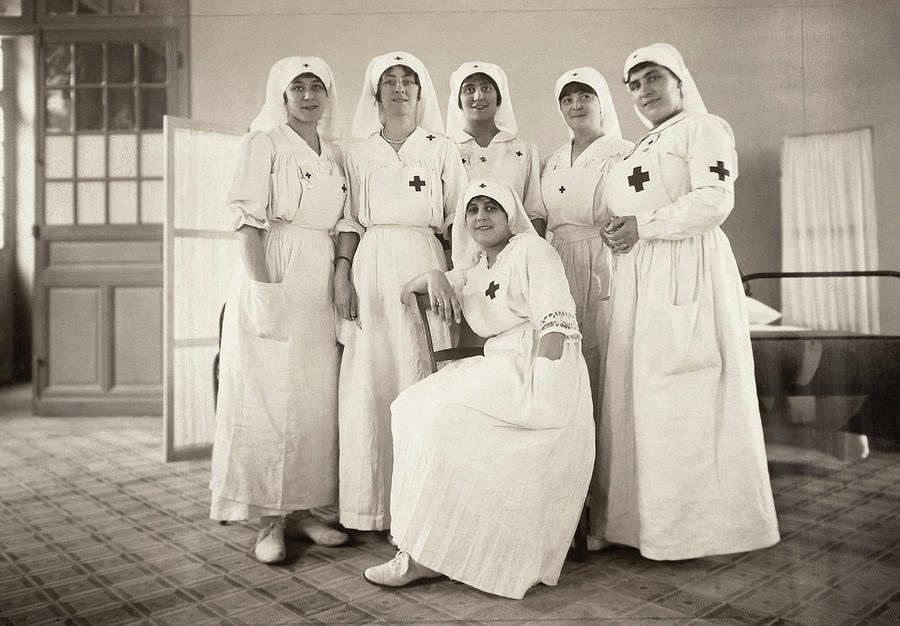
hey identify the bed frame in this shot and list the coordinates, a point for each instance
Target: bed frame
(821, 364)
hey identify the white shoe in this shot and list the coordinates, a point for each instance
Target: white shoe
(270, 540)
(305, 524)
(398, 572)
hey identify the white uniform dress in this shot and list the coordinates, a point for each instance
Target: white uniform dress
(682, 458)
(275, 448)
(400, 199)
(509, 158)
(493, 454)
(571, 193)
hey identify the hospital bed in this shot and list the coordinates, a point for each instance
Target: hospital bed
(834, 379)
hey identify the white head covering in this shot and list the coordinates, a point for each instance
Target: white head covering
(668, 56)
(591, 77)
(367, 119)
(504, 118)
(274, 111)
(465, 251)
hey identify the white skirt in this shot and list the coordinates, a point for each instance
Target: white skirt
(486, 489)
(681, 461)
(383, 357)
(585, 259)
(275, 447)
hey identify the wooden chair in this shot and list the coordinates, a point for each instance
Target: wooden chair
(448, 354)
(579, 543)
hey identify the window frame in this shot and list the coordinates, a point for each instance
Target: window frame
(79, 31)
(19, 24)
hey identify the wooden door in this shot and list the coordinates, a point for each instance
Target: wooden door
(98, 302)
(200, 253)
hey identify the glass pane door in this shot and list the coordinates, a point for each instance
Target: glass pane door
(104, 104)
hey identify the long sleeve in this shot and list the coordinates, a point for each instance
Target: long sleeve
(248, 196)
(712, 167)
(533, 200)
(350, 223)
(601, 208)
(453, 180)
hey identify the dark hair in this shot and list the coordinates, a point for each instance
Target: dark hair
(483, 76)
(408, 70)
(492, 199)
(575, 87)
(644, 65)
(305, 75)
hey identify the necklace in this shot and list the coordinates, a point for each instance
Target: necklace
(395, 142)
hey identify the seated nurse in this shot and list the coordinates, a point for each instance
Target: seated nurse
(493, 454)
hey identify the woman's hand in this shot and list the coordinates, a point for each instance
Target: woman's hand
(345, 301)
(621, 233)
(440, 295)
(443, 297)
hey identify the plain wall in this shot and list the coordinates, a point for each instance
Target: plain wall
(770, 68)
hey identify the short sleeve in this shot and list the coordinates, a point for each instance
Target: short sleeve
(349, 222)
(546, 290)
(457, 279)
(248, 197)
(453, 181)
(533, 200)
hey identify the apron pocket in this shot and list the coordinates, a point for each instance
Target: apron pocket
(686, 339)
(263, 311)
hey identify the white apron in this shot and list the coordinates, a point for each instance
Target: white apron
(569, 197)
(275, 448)
(681, 462)
(508, 158)
(388, 353)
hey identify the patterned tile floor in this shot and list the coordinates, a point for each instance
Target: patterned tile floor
(95, 529)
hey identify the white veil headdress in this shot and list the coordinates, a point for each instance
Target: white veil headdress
(594, 79)
(367, 118)
(504, 118)
(668, 56)
(465, 251)
(274, 110)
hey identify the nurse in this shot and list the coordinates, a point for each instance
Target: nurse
(275, 448)
(481, 121)
(571, 184)
(682, 459)
(494, 453)
(405, 180)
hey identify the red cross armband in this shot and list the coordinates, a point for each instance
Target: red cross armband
(713, 160)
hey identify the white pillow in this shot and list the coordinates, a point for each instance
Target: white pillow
(759, 313)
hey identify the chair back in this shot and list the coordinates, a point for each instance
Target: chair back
(450, 354)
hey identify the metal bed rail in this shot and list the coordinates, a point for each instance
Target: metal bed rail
(840, 274)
